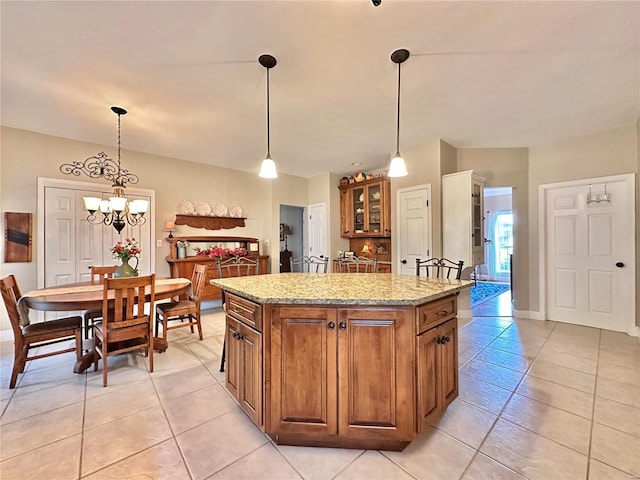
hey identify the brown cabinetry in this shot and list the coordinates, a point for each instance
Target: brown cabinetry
(244, 356)
(355, 394)
(183, 267)
(365, 209)
(437, 360)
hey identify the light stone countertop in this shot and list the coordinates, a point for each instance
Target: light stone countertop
(340, 288)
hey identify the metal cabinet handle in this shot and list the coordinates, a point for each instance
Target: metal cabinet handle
(331, 325)
(342, 325)
(442, 313)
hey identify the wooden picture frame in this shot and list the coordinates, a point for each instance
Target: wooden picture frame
(18, 237)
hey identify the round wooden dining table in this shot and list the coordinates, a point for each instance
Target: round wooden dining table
(86, 296)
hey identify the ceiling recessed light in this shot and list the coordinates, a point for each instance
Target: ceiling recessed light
(356, 164)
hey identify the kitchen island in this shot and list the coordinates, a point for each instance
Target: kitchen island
(342, 360)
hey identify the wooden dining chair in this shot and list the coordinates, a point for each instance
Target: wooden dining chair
(183, 309)
(439, 268)
(234, 267)
(34, 335)
(357, 265)
(309, 264)
(124, 326)
(98, 274)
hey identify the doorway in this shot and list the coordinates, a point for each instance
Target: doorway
(492, 294)
(292, 235)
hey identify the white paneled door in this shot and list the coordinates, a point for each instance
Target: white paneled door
(590, 255)
(414, 223)
(318, 229)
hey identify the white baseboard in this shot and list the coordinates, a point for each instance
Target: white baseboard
(531, 314)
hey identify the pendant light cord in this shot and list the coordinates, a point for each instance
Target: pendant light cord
(118, 146)
(268, 122)
(398, 120)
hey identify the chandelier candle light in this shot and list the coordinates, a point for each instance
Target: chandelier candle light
(118, 210)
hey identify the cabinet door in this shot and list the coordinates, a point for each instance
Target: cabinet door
(477, 233)
(232, 352)
(373, 205)
(385, 206)
(346, 215)
(303, 372)
(429, 385)
(250, 394)
(375, 359)
(449, 359)
(358, 211)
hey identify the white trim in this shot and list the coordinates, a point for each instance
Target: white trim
(532, 315)
(75, 185)
(399, 191)
(542, 233)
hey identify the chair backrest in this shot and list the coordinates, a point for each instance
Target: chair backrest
(439, 268)
(310, 264)
(197, 281)
(357, 265)
(237, 267)
(11, 294)
(128, 318)
(99, 273)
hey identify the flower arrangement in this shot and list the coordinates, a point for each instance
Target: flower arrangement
(219, 252)
(125, 250)
(182, 244)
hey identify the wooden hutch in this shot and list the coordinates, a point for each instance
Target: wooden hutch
(365, 219)
(183, 267)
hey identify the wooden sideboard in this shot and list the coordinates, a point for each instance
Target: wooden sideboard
(183, 267)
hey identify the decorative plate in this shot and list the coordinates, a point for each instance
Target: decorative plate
(185, 207)
(203, 208)
(220, 210)
(235, 211)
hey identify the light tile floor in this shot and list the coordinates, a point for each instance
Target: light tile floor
(537, 400)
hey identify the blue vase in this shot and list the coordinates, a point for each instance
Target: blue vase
(126, 270)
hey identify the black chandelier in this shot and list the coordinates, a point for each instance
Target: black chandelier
(118, 210)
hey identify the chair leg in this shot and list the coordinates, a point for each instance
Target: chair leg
(18, 365)
(151, 354)
(78, 344)
(104, 370)
(224, 348)
(199, 323)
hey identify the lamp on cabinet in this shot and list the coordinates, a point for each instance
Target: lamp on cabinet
(284, 231)
(169, 226)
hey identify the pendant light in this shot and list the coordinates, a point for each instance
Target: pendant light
(268, 168)
(397, 168)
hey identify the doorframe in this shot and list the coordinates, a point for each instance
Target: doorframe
(44, 182)
(397, 241)
(633, 329)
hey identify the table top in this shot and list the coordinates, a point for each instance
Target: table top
(341, 288)
(85, 296)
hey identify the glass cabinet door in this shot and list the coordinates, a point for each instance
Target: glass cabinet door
(358, 201)
(477, 233)
(374, 212)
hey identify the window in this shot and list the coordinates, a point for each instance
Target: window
(503, 241)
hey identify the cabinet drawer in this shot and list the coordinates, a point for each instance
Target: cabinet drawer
(247, 312)
(436, 312)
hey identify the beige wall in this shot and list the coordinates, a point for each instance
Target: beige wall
(605, 153)
(27, 155)
(423, 164)
(507, 167)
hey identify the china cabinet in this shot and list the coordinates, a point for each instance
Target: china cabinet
(462, 217)
(365, 209)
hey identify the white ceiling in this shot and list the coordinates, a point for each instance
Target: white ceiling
(481, 74)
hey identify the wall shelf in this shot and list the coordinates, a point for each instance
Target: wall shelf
(210, 223)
